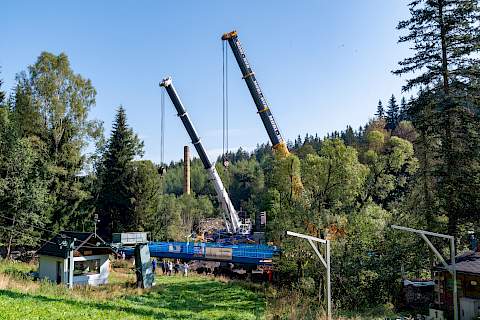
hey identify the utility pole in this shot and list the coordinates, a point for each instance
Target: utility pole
(452, 269)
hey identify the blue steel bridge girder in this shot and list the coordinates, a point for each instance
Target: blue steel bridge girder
(241, 253)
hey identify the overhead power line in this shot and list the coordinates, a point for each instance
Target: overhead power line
(28, 236)
(30, 224)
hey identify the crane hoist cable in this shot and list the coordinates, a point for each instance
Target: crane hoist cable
(162, 134)
(225, 116)
(233, 222)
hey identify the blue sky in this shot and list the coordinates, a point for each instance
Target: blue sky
(322, 64)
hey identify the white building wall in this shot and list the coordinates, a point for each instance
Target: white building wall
(48, 268)
(94, 279)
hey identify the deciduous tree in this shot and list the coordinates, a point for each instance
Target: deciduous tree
(50, 107)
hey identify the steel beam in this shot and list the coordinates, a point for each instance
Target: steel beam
(325, 261)
(451, 269)
(304, 236)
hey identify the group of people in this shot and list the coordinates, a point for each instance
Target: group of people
(168, 267)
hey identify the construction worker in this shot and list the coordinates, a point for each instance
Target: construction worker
(154, 265)
(170, 268)
(163, 266)
(176, 267)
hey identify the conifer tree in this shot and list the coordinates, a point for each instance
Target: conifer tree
(392, 113)
(113, 205)
(23, 192)
(380, 111)
(348, 136)
(446, 41)
(402, 114)
(298, 142)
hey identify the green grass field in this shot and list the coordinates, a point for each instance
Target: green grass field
(176, 297)
(173, 297)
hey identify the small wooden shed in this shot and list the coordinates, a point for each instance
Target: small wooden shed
(417, 293)
(75, 258)
(468, 286)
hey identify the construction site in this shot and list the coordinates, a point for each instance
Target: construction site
(157, 194)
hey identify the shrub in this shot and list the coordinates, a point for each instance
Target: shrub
(124, 264)
(18, 274)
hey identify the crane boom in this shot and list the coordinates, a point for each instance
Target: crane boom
(263, 109)
(231, 217)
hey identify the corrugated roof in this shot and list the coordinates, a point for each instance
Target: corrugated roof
(418, 283)
(468, 262)
(58, 245)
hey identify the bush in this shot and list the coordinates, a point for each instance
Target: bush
(122, 264)
(18, 274)
(307, 286)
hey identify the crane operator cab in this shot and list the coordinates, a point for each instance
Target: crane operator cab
(245, 227)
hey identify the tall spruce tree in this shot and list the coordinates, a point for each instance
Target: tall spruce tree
(392, 113)
(402, 113)
(446, 41)
(380, 110)
(114, 204)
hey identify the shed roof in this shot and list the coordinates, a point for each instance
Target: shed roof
(58, 246)
(468, 262)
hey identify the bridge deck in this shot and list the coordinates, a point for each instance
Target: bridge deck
(239, 253)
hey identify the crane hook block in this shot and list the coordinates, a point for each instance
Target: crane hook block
(226, 163)
(161, 170)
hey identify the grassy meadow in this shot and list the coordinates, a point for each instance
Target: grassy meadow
(175, 297)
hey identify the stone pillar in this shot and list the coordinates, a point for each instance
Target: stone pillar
(186, 170)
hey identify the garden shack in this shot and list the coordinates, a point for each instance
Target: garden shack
(468, 286)
(75, 258)
(418, 293)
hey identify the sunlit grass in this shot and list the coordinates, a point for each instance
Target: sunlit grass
(173, 297)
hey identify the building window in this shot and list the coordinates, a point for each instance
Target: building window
(82, 268)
